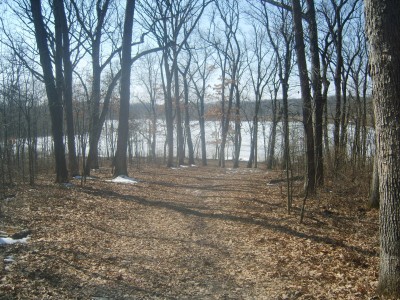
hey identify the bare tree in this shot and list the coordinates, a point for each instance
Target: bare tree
(337, 13)
(260, 65)
(65, 78)
(171, 23)
(316, 82)
(149, 78)
(228, 58)
(120, 164)
(306, 95)
(184, 71)
(53, 95)
(200, 72)
(93, 26)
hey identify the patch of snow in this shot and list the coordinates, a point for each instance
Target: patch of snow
(123, 179)
(9, 260)
(67, 184)
(79, 177)
(8, 199)
(10, 241)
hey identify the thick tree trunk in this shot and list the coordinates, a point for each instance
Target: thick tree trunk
(306, 95)
(382, 26)
(54, 99)
(120, 163)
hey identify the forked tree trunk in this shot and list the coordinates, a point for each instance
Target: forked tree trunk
(54, 99)
(382, 26)
(67, 88)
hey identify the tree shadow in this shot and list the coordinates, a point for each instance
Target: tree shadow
(257, 221)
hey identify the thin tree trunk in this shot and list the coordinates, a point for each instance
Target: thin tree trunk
(317, 89)
(238, 136)
(169, 112)
(203, 132)
(178, 114)
(187, 120)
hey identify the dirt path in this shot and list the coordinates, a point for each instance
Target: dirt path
(188, 233)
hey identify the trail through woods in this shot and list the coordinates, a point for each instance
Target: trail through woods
(187, 233)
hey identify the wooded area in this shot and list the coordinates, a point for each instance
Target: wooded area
(130, 84)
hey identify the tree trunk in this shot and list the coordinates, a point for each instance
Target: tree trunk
(203, 132)
(59, 15)
(272, 137)
(54, 99)
(187, 120)
(95, 125)
(120, 163)
(253, 141)
(238, 136)
(169, 119)
(306, 95)
(382, 24)
(317, 91)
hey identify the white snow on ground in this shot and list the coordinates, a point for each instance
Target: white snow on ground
(123, 179)
(9, 241)
(87, 177)
(183, 167)
(9, 259)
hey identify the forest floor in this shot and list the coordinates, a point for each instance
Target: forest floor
(188, 233)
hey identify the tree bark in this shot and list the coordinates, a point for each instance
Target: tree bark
(54, 99)
(374, 190)
(382, 24)
(120, 163)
